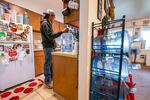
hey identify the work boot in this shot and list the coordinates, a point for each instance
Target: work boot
(48, 85)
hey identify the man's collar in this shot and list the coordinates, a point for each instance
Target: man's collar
(48, 21)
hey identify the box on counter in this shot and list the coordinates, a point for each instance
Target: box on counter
(148, 59)
(143, 57)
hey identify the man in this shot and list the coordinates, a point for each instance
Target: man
(48, 42)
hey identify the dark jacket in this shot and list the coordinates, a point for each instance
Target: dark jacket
(48, 37)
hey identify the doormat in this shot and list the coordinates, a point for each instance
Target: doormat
(22, 90)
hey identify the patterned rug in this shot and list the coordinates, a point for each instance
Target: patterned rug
(23, 90)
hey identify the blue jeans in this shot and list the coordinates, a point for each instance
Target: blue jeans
(48, 64)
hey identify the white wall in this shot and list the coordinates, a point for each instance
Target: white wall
(138, 22)
(88, 10)
(40, 6)
(133, 9)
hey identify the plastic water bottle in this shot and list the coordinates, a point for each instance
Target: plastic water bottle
(66, 42)
(25, 18)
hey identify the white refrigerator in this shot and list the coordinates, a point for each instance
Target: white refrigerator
(16, 54)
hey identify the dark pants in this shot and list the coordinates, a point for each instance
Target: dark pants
(48, 64)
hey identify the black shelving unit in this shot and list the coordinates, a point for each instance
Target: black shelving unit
(106, 84)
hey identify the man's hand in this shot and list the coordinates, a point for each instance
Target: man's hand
(65, 30)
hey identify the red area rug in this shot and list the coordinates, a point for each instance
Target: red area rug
(21, 91)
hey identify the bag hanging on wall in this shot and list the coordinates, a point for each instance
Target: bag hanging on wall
(65, 1)
(104, 22)
(73, 4)
(106, 4)
(66, 11)
(111, 10)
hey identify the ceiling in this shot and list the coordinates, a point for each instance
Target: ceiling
(133, 9)
(40, 6)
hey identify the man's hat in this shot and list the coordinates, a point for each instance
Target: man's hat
(49, 12)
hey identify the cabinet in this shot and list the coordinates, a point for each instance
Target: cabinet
(34, 20)
(73, 18)
(57, 26)
(61, 26)
(19, 10)
(65, 75)
(39, 62)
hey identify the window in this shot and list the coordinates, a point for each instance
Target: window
(146, 36)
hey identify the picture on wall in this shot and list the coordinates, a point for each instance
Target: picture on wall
(1, 47)
(99, 10)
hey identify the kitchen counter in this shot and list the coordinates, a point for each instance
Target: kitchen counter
(65, 54)
(41, 49)
(65, 75)
(38, 49)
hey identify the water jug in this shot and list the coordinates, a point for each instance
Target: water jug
(111, 43)
(110, 66)
(115, 67)
(67, 42)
